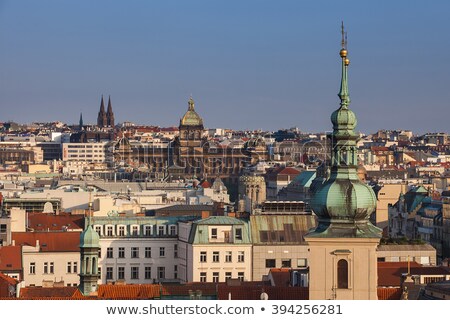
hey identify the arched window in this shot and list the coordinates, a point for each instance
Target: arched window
(94, 266)
(342, 274)
(86, 266)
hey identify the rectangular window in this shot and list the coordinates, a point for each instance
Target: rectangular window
(45, 267)
(241, 276)
(173, 230)
(175, 272)
(148, 230)
(32, 267)
(121, 252)
(2, 228)
(134, 272)
(99, 252)
(161, 230)
(161, 272)
(121, 231)
(109, 231)
(135, 230)
(148, 272)
(227, 275)
(238, 234)
(52, 268)
(285, 263)
(75, 267)
(110, 253)
(215, 277)
(135, 252)
(148, 252)
(302, 263)
(241, 256)
(203, 256)
(69, 267)
(270, 263)
(228, 256)
(175, 251)
(216, 256)
(202, 276)
(98, 229)
(121, 273)
(214, 233)
(162, 251)
(109, 273)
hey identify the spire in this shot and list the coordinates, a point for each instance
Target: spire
(81, 121)
(102, 106)
(343, 92)
(109, 105)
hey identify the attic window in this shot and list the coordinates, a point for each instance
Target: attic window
(9, 265)
(43, 245)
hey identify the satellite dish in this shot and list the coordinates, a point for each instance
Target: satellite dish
(264, 296)
(48, 207)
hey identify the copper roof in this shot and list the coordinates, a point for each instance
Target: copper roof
(10, 258)
(49, 241)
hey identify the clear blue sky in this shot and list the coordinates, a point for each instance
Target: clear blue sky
(248, 64)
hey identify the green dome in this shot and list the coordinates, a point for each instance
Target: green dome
(89, 238)
(191, 118)
(344, 200)
(343, 119)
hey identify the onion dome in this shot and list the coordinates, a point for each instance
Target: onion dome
(191, 118)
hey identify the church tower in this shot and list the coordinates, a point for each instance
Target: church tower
(109, 114)
(343, 261)
(101, 118)
(89, 246)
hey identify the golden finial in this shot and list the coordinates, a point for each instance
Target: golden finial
(343, 52)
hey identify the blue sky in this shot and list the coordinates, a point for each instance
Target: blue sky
(248, 64)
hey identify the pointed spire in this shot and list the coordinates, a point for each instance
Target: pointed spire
(102, 106)
(343, 92)
(81, 121)
(109, 105)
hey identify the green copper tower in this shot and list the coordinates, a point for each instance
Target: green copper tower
(343, 203)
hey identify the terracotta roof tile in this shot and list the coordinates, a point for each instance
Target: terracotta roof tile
(55, 292)
(281, 277)
(129, 291)
(52, 222)
(389, 293)
(49, 241)
(10, 258)
(7, 279)
(245, 292)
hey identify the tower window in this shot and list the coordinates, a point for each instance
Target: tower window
(342, 274)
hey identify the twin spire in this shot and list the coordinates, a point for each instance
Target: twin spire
(105, 119)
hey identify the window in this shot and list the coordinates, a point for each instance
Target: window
(238, 234)
(135, 230)
(2, 228)
(270, 263)
(162, 251)
(285, 263)
(135, 252)
(75, 267)
(240, 256)
(202, 276)
(161, 230)
(121, 252)
(109, 231)
(99, 252)
(98, 229)
(214, 233)
(121, 231)
(302, 263)
(175, 271)
(52, 267)
(148, 230)
(134, 272)
(45, 267)
(175, 251)
(216, 256)
(241, 276)
(109, 273)
(32, 267)
(203, 256)
(148, 252)
(173, 230)
(148, 272)
(228, 256)
(69, 267)
(161, 272)
(121, 273)
(110, 253)
(215, 277)
(342, 274)
(227, 275)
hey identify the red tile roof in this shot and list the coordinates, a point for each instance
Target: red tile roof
(389, 293)
(390, 273)
(49, 241)
(246, 292)
(281, 277)
(10, 258)
(128, 291)
(54, 292)
(8, 279)
(52, 222)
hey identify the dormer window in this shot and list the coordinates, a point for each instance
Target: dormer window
(214, 233)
